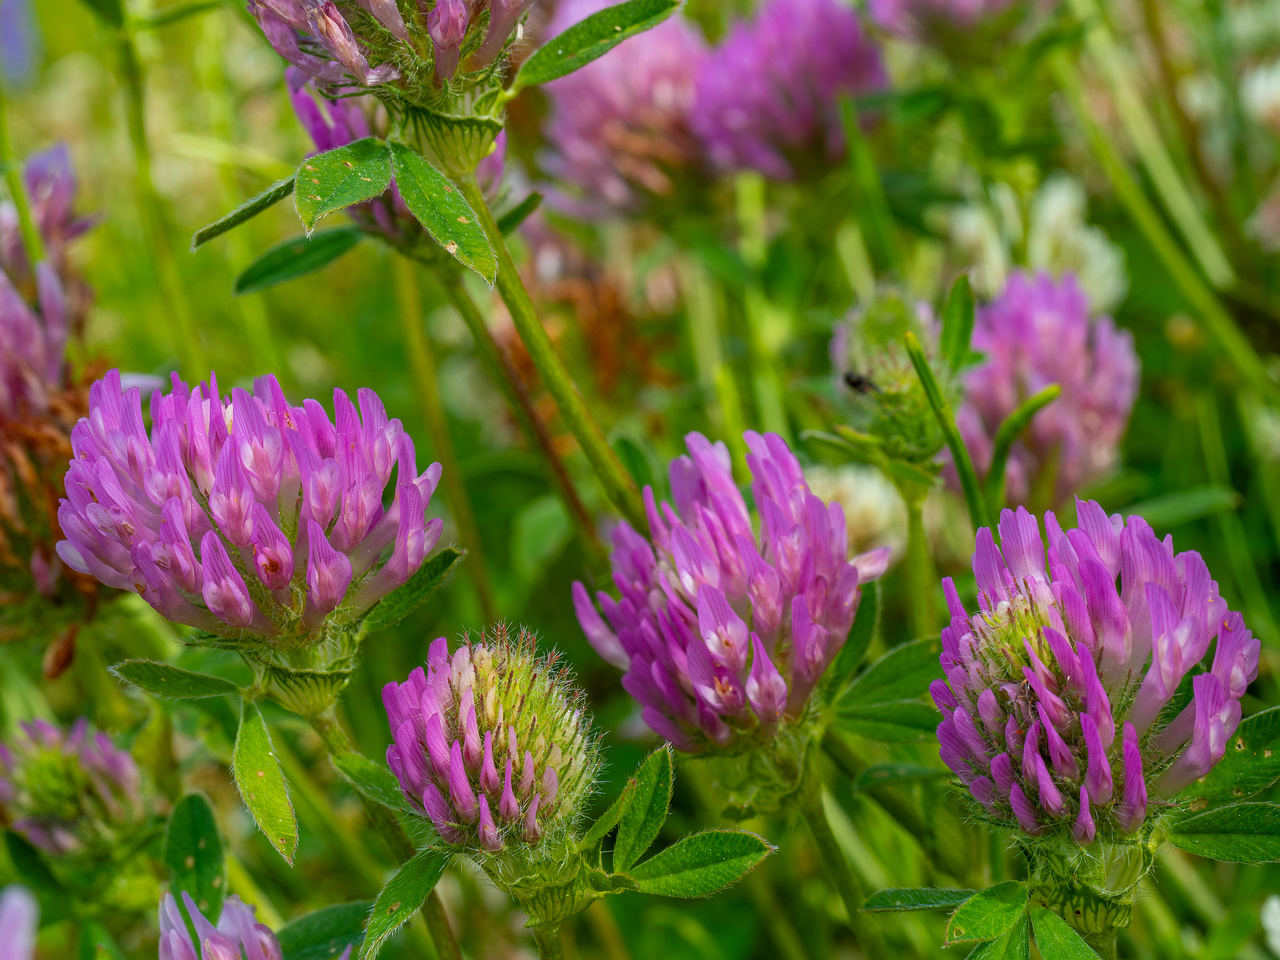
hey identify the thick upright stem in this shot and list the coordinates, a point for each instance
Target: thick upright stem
(547, 937)
(336, 740)
(1103, 943)
(423, 364)
(508, 380)
(618, 484)
(921, 580)
(837, 868)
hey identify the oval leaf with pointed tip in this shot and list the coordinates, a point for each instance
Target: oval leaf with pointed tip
(246, 211)
(901, 674)
(374, 780)
(193, 854)
(591, 38)
(405, 599)
(296, 258)
(700, 865)
(609, 819)
(916, 898)
(340, 178)
(1013, 944)
(167, 682)
(647, 812)
(899, 721)
(443, 212)
(1238, 833)
(323, 934)
(1056, 939)
(989, 914)
(261, 782)
(401, 898)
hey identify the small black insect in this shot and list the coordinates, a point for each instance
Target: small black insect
(859, 384)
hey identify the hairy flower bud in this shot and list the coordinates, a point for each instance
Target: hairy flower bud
(1038, 332)
(767, 95)
(244, 516)
(492, 743)
(1059, 708)
(723, 631)
(69, 793)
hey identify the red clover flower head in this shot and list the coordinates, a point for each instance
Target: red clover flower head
(769, 92)
(244, 516)
(492, 743)
(622, 122)
(1038, 332)
(237, 936)
(1060, 707)
(725, 632)
(68, 792)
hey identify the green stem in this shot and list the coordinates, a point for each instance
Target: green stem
(1103, 943)
(871, 188)
(1220, 324)
(31, 240)
(764, 326)
(947, 422)
(152, 210)
(335, 738)
(921, 578)
(837, 868)
(617, 483)
(507, 379)
(781, 930)
(422, 361)
(547, 937)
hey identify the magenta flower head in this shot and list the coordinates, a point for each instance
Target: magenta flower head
(768, 94)
(243, 516)
(723, 631)
(619, 127)
(492, 744)
(71, 793)
(1038, 332)
(1066, 710)
(237, 936)
(19, 919)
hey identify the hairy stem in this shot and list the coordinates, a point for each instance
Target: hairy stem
(617, 483)
(508, 380)
(422, 362)
(336, 740)
(550, 945)
(836, 866)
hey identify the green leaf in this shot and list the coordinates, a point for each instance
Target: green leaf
(193, 854)
(1239, 833)
(323, 934)
(401, 898)
(887, 773)
(340, 178)
(374, 780)
(1251, 764)
(1175, 509)
(1056, 939)
(903, 673)
(1011, 428)
(593, 37)
(901, 899)
(860, 636)
(957, 323)
(402, 601)
(443, 212)
(97, 944)
(261, 782)
(700, 865)
(647, 812)
(609, 819)
(518, 214)
(31, 869)
(988, 914)
(246, 211)
(168, 682)
(296, 258)
(899, 721)
(637, 458)
(111, 12)
(1013, 944)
